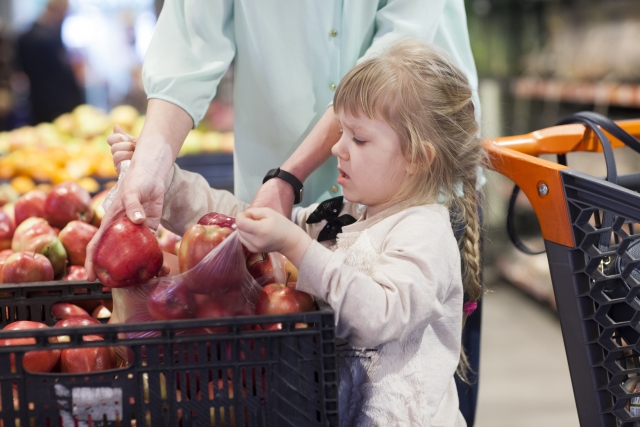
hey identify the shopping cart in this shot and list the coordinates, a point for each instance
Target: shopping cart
(603, 350)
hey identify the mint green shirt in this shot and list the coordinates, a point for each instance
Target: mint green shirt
(289, 57)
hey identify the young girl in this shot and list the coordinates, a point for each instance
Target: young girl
(385, 258)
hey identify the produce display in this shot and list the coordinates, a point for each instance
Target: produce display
(44, 235)
(74, 149)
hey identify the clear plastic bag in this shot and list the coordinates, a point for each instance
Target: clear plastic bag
(218, 286)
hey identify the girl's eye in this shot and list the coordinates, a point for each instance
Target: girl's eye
(357, 141)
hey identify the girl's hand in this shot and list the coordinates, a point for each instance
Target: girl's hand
(122, 146)
(265, 230)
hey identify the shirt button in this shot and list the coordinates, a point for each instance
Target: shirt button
(334, 189)
(333, 33)
(332, 86)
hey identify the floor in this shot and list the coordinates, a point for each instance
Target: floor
(524, 378)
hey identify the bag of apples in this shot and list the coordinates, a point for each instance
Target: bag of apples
(218, 276)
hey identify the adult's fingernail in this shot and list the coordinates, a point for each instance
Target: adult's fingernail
(137, 215)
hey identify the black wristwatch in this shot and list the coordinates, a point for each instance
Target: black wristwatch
(298, 189)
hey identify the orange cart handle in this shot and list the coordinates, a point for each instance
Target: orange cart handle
(514, 157)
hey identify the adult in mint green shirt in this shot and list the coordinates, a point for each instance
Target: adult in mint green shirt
(290, 55)
(289, 58)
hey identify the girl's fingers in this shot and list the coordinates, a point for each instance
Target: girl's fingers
(118, 129)
(119, 157)
(248, 244)
(123, 146)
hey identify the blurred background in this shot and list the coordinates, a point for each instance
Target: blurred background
(538, 61)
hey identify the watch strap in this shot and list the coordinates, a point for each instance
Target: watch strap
(291, 179)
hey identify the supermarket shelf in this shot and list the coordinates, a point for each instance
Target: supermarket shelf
(601, 93)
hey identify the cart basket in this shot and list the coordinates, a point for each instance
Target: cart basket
(235, 377)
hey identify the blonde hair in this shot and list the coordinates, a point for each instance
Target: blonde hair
(426, 99)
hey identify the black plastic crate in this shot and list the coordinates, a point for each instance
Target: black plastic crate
(217, 168)
(236, 378)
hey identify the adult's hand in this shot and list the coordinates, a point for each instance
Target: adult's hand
(141, 191)
(139, 197)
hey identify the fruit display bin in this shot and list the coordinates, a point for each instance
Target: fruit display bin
(240, 377)
(598, 306)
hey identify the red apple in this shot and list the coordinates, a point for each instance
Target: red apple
(76, 272)
(221, 220)
(101, 312)
(231, 304)
(66, 202)
(33, 361)
(171, 300)
(88, 359)
(75, 237)
(127, 254)
(197, 242)
(3, 257)
(30, 228)
(70, 322)
(168, 241)
(51, 247)
(82, 320)
(277, 298)
(22, 267)
(64, 310)
(28, 205)
(7, 228)
(96, 205)
(261, 268)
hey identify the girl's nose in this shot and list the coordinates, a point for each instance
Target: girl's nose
(339, 149)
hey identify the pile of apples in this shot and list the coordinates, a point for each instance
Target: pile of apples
(44, 236)
(67, 360)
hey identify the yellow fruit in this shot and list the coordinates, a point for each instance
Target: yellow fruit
(211, 142)
(89, 184)
(44, 188)
(64, 124)
(89, 121)
(61, 175)
(105, 168)
(191, 144)
(22, 184)
(7, 170)
(125, 116)
(227, 142)
(137, 126)
(8, 194)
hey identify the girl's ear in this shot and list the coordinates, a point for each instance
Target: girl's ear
(412, 168)
(415, 166)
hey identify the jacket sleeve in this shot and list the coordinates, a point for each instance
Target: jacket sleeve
(188, 197)
(406, 289)
(191, 49)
